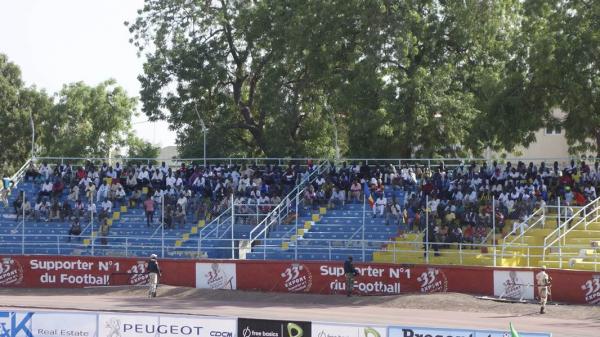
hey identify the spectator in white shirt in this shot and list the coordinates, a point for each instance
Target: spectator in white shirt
(337, 198)
(143, 177)
(379, 207)
(170, 181)
(107, 206)
(103, 191)
(182, 201)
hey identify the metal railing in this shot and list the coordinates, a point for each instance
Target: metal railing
(582, 216)
(540, 214)
(285, 207)
(303, 161)
(310, 249)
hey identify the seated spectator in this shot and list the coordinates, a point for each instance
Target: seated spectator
(309, 196)
(468, 235)
(107, 206)
(26, 209)
(143, 178)
(135, 198)
(78, 209)
(379, 206)
(90, 192)
(55, 210)
(264, 204)
(91, 211)
(57, 188)
(103, 191)
(356, 190)
(75, 230)
(182, 201)
(131, 182)
(455, 235)
(157, 178)
(46, 190)
(41, 210)
(32, 173)
(337, 198)
(480, 235)
(18, 203)
(65, 212)
(393, 213)
(590, 192)
(119, 196)
(74, 194)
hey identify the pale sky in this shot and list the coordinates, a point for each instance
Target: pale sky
(62, 41)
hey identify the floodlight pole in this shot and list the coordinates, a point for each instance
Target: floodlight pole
(204, 131)
(32, 134)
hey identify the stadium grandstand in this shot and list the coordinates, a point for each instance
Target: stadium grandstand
(443, 212)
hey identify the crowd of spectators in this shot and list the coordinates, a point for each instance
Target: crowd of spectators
(70, 193)
(460, 202)
(456, 201)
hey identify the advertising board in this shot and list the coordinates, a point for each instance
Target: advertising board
(84, 271)
(146, 325)
(372, 278)
(513, 284)
(347, 330)
(47, 324)
(408, 331)
(216, 275)
(272, 328)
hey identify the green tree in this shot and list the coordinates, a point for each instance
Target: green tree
(563, 66)
(138, 148)
(282, 77)
(17, 103)
(87, 121)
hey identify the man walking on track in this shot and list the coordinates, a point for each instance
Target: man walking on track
(544, 282)
(153, 274)
(350, 272)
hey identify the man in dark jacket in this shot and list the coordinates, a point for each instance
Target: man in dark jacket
(153, 274)
(350, 272)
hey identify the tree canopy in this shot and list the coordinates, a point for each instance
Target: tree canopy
(384, 78)
(79, 121)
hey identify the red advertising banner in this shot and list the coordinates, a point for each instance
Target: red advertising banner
(83, 271)
(315, 277)
(572, 286)
(373, 279)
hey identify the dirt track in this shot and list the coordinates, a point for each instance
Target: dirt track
(434, 310)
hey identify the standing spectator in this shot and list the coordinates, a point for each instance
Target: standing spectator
(180, 216)
(149, 209)
(75, 230)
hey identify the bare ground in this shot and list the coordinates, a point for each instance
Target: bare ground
(433, 310)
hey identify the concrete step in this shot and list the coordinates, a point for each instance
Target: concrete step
(582, 233)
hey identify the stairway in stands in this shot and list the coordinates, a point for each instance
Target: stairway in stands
(50, 238)
(329, 234)
(579, 249)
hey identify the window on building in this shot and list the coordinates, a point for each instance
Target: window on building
(553, 130)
